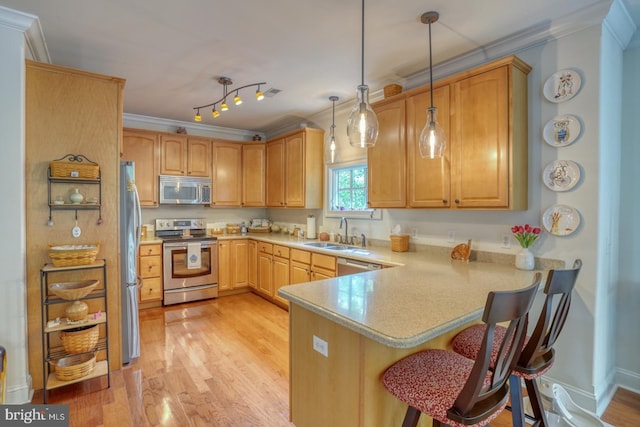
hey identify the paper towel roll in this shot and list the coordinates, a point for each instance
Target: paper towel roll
(311, 227)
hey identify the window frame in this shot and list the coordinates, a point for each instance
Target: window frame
(368, 213)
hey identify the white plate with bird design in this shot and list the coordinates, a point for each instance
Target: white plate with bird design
(561, 175)
(562, 86)
(562, 130)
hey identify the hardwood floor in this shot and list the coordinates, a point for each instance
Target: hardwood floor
(222, 363)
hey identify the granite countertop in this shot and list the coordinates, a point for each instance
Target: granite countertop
(405, 306)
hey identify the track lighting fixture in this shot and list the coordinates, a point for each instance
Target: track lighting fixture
(226, 81)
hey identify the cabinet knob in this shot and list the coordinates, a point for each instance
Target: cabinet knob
(457, 201)
(444, 201)
(150, 267)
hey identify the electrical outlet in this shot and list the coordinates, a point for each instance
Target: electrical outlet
(506, 241)
(451, 236)
(321, 346)
(414, 232)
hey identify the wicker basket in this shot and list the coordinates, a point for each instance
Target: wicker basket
(392, 89)
(80, 340)
(400, 243)
(72, 291)
(74, 367)
(70, 255)
(78, 167)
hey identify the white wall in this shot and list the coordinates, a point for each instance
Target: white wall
(13, 303)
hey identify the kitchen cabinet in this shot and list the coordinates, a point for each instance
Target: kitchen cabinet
(227, 167)
(150, 270)
(143, 148)
(233, 257)
(265, 269)
(428, 180)
(52, 346)
(253, 174)
(309, 266)
(386, 161)
(252, 267)
(185, 155)
(484, 115)
(294, 169)
(280, 272)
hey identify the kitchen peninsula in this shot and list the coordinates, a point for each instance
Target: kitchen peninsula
(345, 331)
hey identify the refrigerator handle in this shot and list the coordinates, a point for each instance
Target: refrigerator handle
(137, 216)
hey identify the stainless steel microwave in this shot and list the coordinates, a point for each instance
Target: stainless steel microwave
(184, 190)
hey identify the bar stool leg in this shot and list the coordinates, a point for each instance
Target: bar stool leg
(536, 403)
(517, 411)
(411, 417)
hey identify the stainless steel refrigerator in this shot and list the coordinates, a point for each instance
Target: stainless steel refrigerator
(130, 229)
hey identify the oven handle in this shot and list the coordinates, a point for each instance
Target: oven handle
(183, 245)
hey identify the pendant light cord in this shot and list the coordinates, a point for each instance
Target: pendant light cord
(430, 66)
(362, 56)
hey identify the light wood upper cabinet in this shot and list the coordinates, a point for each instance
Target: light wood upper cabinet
(294, 169)
(143, 148)
(386, 161)
(253, 174)
(428, 180)
(227, 167)
(484, 115)
(489, 141)
(187, 156)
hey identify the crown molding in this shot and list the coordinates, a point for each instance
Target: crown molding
(620, 24)
(167, 125)
(33, 34)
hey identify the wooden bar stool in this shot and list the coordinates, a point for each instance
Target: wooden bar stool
(538, 354)
(455, 390)
(3, 374)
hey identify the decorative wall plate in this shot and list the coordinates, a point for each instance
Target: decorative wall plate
(561, 220)
(562, 86)
(561, 175)
(562, 130)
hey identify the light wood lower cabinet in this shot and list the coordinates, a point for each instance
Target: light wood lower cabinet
(265, 269)
(309, 266)
(252, 268)
(280, 271)
(150, 270)
(233, 265)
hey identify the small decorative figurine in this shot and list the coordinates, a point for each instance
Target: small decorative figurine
(462, 251)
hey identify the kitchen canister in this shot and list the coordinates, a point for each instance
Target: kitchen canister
(311, 227)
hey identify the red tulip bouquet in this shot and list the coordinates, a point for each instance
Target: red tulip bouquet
(526, 234)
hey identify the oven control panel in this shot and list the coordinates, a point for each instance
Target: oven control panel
(181, 224)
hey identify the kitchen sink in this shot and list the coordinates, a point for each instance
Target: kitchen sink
(329, 245)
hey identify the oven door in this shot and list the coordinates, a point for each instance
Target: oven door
(177, 272)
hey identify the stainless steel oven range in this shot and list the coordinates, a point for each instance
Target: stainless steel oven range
(190, 260)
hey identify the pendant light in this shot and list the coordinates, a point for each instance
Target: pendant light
(432, 140)
(362, 125)
(331, 155)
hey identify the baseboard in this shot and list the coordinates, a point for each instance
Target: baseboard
(20, 394)
(628, 379)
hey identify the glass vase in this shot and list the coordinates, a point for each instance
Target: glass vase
(525, 259)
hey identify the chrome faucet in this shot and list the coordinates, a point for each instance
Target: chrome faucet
(363, 240)
(346, 230)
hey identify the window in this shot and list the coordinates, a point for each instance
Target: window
(348, 191)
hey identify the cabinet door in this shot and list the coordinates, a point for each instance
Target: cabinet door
(275, 173)
(227, 164)
(480, 140)
(280, 277)
(321, 273)
(224, 266)
(253, 174)
(428, 179)
(151, 289)
(199, 157)
(240, 255)
(265, 271)
(143, 148)
(299, 273)
(150, 266)
(252, 261)
(387, 159)
(294, 170)
(173, 159)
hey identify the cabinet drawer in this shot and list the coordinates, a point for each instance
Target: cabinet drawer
(151, 289)
(323, 261)
(281, 251)
(150, 250)
(301, 256)
(265, 248)
(151, 266)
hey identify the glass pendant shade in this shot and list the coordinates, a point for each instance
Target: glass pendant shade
(331, 153)
(362, 125)
(432, 141)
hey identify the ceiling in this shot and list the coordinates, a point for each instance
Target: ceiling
(172, 53)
